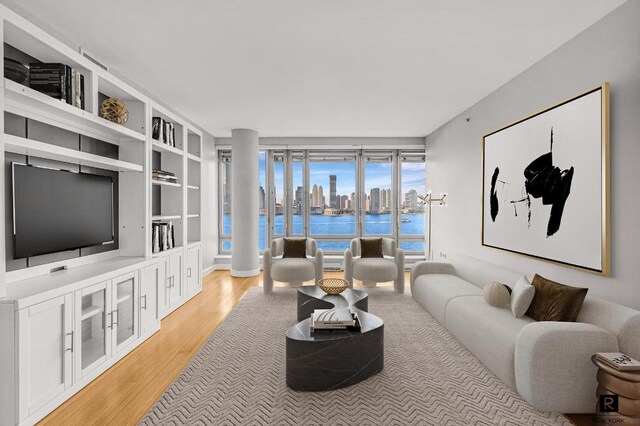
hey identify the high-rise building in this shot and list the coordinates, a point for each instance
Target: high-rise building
(344, 202)
(389, 199)
(374, 203)
(320, 200)
(411, 200)
(297, 202)
(332, 190)
(261, 198)
(314, 196)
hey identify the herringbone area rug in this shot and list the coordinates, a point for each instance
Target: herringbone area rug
(429, 378)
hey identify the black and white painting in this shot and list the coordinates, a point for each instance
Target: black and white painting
(543, 184)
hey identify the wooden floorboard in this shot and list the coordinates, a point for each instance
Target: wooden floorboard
(123, 394)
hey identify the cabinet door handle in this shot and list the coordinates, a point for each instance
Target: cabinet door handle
(188, 272)
(110, 319)
(71, 348)
(144, 297)
(115, 317)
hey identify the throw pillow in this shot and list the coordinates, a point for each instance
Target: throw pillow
(496, 294)
(555, 302)
(523, 293)
(371, 247)
(295, 247)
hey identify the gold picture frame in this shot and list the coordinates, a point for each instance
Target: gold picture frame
(605, 223)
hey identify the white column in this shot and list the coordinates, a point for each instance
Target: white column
(244, 203)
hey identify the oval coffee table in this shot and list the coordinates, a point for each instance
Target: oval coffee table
(329, 360)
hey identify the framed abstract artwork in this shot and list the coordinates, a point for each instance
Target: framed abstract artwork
(545, 184)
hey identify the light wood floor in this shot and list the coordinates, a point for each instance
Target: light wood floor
(123, 394)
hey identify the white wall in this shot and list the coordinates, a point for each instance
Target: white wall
(607, 51)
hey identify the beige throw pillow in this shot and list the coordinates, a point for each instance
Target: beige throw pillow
(521, 297)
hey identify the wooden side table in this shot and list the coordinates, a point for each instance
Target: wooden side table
(625, 384)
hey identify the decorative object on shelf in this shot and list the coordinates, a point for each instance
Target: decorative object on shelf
(333, 285)
(114, 110)
(16, 71)
(162, 236)
(496, 294)
(546, 184)
(428, 200)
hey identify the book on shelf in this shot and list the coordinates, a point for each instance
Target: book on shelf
(619, 361)
(59, 81)
(163, 131)
(162, 236)
(334, 319)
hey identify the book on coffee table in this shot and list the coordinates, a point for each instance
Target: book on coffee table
(618, 361)
(334, 319)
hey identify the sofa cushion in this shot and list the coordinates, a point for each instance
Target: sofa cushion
(434, 291)
(376, 269)
(489, 332)
(555, 302)
(292, 270)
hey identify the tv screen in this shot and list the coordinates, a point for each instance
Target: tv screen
(57, 210)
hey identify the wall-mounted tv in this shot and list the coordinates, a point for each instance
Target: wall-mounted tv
(58, 210)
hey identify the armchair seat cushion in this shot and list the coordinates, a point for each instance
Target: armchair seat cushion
(375, 269)
(293, 270)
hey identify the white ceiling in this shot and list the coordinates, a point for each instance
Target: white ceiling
(319, 67)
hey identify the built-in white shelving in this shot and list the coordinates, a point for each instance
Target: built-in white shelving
(193, 158)
(91, 311)
(194, 187)
(163, 147)
(19, 145)
(163, 183)
(193, 215)
(166, 217)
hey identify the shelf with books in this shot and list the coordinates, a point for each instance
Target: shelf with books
(166, 128)
(19, 145)
(163, 183)
(26, 102)
(162, 147)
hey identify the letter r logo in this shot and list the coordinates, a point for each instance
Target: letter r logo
(608, 403)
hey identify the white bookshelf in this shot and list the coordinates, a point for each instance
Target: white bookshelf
(130, 152)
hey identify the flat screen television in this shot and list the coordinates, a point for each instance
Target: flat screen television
(57, 210)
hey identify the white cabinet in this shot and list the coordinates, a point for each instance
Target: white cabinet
(152, 281)
(124, 314)
(92, 334)
(194, 282)
(173, 292)
(45, 351)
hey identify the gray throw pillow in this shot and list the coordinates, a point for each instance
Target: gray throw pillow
(521, 297)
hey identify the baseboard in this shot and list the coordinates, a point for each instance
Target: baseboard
(242, 274)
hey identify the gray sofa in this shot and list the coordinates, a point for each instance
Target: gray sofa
(547, 363)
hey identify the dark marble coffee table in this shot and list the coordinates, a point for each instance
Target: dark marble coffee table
(329, 360)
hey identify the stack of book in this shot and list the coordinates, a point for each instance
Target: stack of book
(163, 176)
(162, 236)
(334, 319)
(619, 361)
(59, 81)
(163, 131)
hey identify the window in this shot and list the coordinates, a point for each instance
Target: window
(334, 196)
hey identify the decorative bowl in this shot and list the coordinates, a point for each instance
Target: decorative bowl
(114, 110)
(333, 285)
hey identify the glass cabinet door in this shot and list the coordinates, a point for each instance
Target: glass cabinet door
(124, 321)
(92, 325)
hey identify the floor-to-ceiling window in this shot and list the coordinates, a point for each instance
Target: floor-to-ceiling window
(334, 196)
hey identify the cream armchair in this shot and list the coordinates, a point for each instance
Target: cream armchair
(373, 270)
(291, 270)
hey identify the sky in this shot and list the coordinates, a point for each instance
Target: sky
(377, 175)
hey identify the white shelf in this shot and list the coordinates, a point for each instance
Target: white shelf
(162, 183)
(193, 243)
(163, 147)
(123, 299)
(167, 252)
(19, 145)
(197, 188)
(166, 217)
(91, 311)
(193, 157)
(24, 101)
(190, 216)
